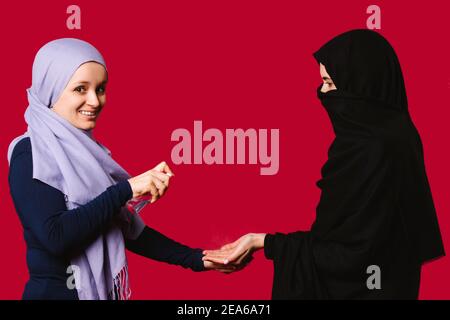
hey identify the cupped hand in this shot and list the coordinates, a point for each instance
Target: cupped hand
(237, 253)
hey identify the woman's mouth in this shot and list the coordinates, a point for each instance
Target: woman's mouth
(88, 114)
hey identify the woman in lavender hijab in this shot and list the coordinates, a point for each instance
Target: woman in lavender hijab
(69, 192)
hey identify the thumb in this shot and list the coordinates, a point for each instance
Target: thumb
(160, 167)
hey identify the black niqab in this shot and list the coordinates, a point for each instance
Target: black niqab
(376, 206)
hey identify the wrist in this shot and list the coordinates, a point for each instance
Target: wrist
(258, 240)
(128, 189)
(135, 192)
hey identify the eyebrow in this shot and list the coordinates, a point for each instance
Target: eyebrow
(326, 78)
(79, 82)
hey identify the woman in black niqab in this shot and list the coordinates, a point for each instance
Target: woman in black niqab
(376, 207)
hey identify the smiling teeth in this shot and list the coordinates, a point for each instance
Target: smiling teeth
(87, 113)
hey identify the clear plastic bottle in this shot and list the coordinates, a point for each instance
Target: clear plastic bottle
(135, 205)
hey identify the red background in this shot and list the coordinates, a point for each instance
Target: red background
(231, 64)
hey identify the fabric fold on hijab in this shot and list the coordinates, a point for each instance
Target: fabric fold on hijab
(376, 206)
(72, 161)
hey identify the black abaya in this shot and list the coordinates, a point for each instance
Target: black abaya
(376, 207)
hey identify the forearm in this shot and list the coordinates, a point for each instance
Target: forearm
(273, 242)
(156, 246)
(74, 229)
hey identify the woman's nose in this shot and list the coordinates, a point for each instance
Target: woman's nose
(92, 99)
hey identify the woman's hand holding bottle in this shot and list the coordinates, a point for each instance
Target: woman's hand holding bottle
(151, 184)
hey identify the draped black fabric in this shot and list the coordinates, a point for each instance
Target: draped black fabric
(376, 206)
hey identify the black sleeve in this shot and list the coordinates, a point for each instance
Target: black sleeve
(42, 209)
(156, 246)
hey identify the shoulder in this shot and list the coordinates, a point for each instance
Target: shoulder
(21, 157)
(22, 147)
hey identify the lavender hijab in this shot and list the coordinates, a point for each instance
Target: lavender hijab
(70, 160)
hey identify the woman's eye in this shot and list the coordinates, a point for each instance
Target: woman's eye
(81, 89)
(78, 89)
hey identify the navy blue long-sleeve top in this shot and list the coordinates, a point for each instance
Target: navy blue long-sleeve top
(53, 234)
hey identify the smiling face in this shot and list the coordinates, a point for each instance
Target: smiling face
(84, 96)
(327, 81)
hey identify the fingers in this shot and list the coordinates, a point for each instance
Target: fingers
(214, 252)
(230, 246)
(244, 258)
(223, 253)
(219, 260)
(227, 256)
(219, 267)
(153, 191)
(163, 177)
(217, 253)
(224, 256)
(217, 263)
(236, 254)
(160, 176)
(159, 180)
(160, 185)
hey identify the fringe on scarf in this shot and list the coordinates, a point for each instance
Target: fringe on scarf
(121, 288)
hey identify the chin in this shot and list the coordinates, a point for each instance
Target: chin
(86, 127)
